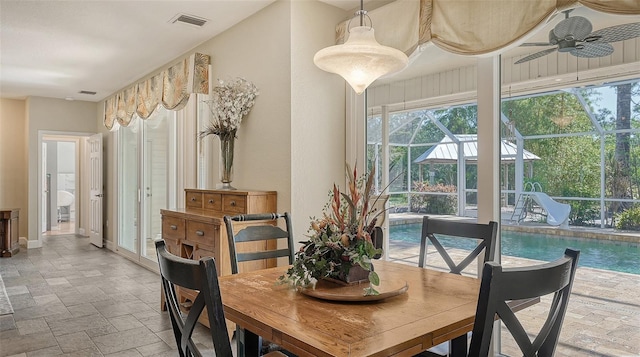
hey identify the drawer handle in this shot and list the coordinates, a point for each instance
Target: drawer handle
(173, 227)
(193, 199)
(210, 201)
(233, 203)
(200, 233)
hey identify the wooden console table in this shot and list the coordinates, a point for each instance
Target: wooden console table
(199, 231)
(9, 238)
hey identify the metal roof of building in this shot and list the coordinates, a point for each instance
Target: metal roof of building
(446, 152)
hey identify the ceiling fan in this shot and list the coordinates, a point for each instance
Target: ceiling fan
(573, 35)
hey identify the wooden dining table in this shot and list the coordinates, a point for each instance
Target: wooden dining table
(436, 307)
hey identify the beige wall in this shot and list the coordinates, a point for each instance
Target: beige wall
(13, 159)
(48, 114)
(293, 139)
(317, 113)
(258, 49)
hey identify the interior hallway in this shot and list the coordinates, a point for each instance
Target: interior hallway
(63, 228)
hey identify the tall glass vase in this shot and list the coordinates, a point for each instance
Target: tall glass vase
(227, 141)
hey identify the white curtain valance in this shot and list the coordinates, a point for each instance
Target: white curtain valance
(171, 87)
(471, 27)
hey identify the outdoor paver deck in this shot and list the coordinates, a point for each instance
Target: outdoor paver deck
(603, 318)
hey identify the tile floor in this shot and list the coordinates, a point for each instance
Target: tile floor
(63, 228)
(71, 298)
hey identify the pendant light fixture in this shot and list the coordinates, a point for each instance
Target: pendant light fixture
(361, 59)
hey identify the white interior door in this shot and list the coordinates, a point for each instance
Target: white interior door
(45, 192)
(95, 190)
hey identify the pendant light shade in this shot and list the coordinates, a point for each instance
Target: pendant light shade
(361, 59)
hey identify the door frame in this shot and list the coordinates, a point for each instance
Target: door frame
(78, 138)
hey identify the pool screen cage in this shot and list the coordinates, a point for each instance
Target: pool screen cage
(568, 144)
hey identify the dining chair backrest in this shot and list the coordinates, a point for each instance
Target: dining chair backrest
(200, 276)
(262, 231)
(377, 238)
(484, 234)
(500, 285)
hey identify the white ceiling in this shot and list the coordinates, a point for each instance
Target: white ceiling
(58, 48)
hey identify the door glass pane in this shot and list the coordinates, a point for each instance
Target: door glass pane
(154, 190)
(128, 190)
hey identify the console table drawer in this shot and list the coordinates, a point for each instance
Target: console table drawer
(194, 200)
(234, 204)
(203, 234)
(213, 201)
(173, 228)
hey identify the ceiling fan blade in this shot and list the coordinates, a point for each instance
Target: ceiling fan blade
(592, 49)
(616, 33)
(576, 27)
(536, 55)
(528, 44)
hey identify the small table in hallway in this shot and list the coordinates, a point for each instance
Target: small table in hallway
(9, 237)
(437, 307)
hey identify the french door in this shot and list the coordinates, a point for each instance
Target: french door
(145, 151)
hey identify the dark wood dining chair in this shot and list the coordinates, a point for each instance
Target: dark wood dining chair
(201, 276)
(483, 234)
(262, 231)
(484, 237)
(501, 285)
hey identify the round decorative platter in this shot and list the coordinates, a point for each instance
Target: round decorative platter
(329, 290)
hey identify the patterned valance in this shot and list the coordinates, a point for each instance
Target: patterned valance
(471, 27)
(171, 88)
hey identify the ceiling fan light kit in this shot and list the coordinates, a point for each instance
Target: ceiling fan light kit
(573, 35)
(361, 59)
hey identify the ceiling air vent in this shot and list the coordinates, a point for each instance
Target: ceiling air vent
(87, 92)
(189, 20)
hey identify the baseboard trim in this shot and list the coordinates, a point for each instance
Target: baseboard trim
(32, 244)
(109, 245)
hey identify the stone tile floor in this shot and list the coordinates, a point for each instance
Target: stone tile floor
(71, 298)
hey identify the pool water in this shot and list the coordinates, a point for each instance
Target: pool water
(616, 256)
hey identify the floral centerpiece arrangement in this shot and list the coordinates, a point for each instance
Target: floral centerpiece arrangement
(230, 102)
(341, 240)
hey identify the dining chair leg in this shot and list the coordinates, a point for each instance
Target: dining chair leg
(248, 343)
(458, 346)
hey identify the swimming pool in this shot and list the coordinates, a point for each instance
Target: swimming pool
(616, 256)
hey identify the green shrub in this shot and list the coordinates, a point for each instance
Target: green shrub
(629, 219)
(431, 203)
(583, 213)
